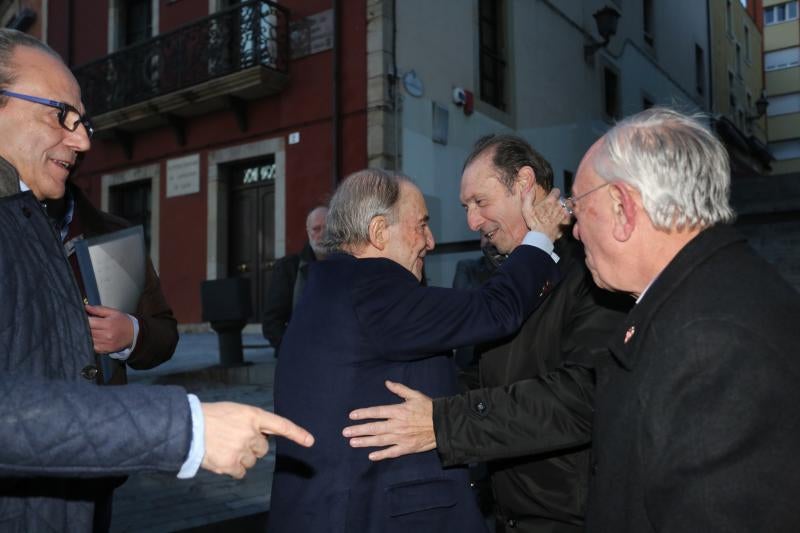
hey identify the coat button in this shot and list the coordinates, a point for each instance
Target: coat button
(26, 211)
(480, 407)
(511, 523)
(89, 372)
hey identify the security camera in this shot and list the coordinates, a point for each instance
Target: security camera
(459, 96)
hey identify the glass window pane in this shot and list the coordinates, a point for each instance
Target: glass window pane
(769, 16)
(791, 10)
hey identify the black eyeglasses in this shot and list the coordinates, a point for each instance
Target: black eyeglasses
(68, 117)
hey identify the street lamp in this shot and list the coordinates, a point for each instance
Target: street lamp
(606, 20)
(761, 108)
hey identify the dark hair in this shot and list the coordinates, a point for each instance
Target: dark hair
(511, 153)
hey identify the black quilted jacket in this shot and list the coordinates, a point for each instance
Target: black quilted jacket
(59, 432)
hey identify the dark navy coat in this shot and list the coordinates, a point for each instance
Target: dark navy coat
(359, 323)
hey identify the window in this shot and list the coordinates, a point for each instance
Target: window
(738, 60)
(569, 179)
(131, 201)
(747, 44)
(780, 13)
(783, 104)
(492, 53)
(699, 69)
(728, 24)
(647, 21)
(136, 21)
(611, 94)
(732, 104)
(784, 150)
(786, 58)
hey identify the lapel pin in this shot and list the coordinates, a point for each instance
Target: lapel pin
(629, 334)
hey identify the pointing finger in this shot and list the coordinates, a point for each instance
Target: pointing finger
(277, 425)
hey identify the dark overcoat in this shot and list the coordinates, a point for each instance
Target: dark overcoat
(698, 428)
(545, 488)
(289, 276)
(359, 323)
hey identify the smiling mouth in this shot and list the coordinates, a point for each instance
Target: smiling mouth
(63, 164)
(490, 235)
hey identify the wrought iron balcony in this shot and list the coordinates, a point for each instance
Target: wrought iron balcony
(232, 56)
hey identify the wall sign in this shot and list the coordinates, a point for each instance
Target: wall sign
(183, 175)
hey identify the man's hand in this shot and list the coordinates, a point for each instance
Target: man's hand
(236, 436)
(406, 427)
(546, 216)
(112, 330)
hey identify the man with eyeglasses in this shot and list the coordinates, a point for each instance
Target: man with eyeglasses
(537, 486)
(142, 341)
(60, 435)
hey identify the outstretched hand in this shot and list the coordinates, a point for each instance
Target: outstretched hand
(236, 436)
(404, 428)
(547, 216)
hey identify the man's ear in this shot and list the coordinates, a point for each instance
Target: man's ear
(378, 232)
(526, 178)
(625, 210)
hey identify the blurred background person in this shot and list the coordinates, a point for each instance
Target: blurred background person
(289, 276)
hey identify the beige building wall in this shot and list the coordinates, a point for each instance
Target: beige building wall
(737, 66)
(554, 97)
(782, 72)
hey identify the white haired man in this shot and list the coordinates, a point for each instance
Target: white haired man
(696, 428)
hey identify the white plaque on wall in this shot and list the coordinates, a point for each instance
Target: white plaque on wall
(183, 175)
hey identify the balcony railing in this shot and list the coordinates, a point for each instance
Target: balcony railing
(251, 34)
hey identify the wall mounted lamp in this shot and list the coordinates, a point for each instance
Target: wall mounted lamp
(761, 108)
(606, 20)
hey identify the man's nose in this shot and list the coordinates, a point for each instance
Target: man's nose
(78, 140)
(429, 240)
(474, 219)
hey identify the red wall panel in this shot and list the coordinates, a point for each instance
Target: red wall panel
(304, 106)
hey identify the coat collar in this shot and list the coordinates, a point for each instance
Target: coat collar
(9, 179)
(625, 343)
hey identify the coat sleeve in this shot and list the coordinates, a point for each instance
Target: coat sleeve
(531, 416)
(406, 320)
(56, 428)
(158, 328)
(278, 301)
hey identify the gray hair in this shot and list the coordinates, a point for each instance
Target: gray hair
(9, 41)
(361, 197)
(680, 168)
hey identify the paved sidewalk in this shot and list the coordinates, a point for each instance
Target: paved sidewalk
(159, 502)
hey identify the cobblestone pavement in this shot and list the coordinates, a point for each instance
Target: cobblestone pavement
(159, 502)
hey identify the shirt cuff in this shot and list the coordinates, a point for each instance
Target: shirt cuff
(540, 241)
(198, 448)
(123, 355)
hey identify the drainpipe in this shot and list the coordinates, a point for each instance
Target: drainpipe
(335, 118)
(70, 18)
